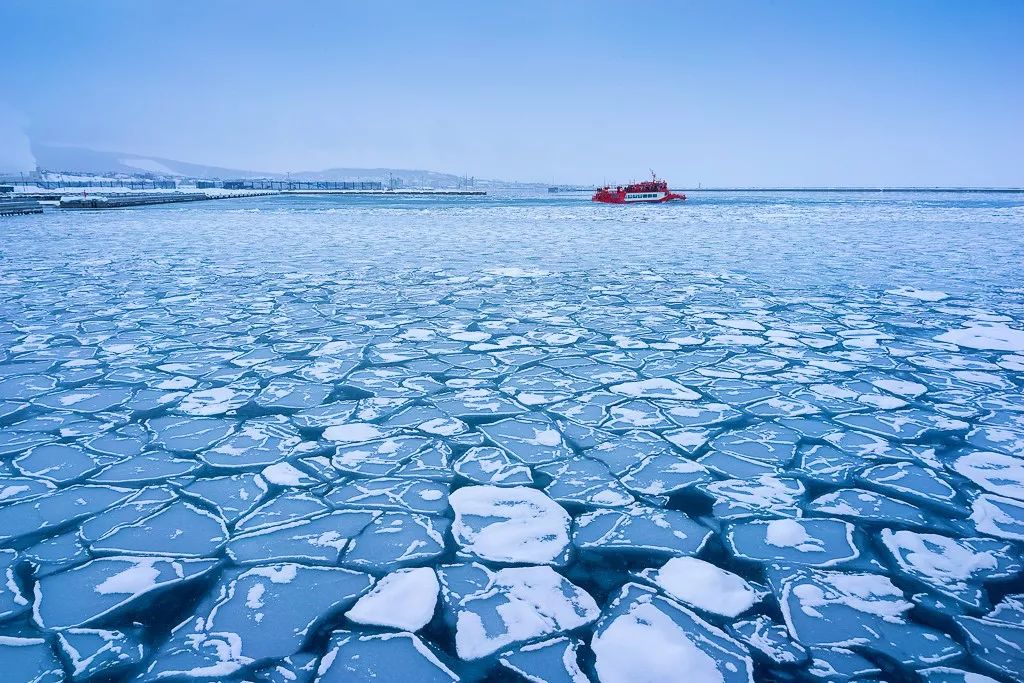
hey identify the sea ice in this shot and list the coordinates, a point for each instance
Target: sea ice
(403, 600)
(97, 588)
(30, 660)
(256, 614)
(997, 473)
(953, 567)
(519, 604)
(486, 465)
(993, 337)
(814, 542)
(94, 653)
(552, 661)
(488, 459)
(514, 524)
(705, 586)
(645, 638)
(355, 658)
(856, 610)
(639, 529)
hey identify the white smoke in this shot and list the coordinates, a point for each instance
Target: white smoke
(15, 148)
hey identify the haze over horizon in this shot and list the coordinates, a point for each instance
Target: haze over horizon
(725, 94)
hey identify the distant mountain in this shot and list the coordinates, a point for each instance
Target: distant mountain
(407, 176)
(81, 160)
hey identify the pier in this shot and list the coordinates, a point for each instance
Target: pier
(18, 207)
(125, 183)
(389, 193)
(294, 185)
(122, 201)
(358, 187)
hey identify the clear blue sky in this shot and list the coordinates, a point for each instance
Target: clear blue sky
(724, 93)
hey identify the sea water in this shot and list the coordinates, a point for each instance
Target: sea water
(342, 438)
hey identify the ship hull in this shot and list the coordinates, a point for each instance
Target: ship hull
(623, 197)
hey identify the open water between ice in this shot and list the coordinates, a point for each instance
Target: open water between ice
(293, 439)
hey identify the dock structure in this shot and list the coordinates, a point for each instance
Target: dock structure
(292, 185)
(388, 193)
(122, 201)
(111, 183)
(18, 207)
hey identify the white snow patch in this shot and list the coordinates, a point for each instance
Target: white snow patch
(986, 337)
(404, 599)
(995, 472)
(354, 432)
(658, 387)
(515, 524)
(705, 586)
(646, 646)
(789, 533)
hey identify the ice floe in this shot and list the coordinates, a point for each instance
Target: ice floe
(814, 542)
(355, 658)
(643, 637)
(518, 604)
(704, 585)
(403, 600)
(856, 610)
(513, 524)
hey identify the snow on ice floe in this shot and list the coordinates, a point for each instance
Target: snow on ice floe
(757, 496)
(513, 524)
(397, 539)
(97, 588)
(164, 533)
(638, 529)
(51, 511)
(316, 540)
(998, 645)
(555, 660)
(386, 493)
(704, 585)
(403, 600)
(514, 605)
(946, 674)
(664, 474)
(994, 472)
(999, 517)
(814, 542)
(94, 653)
(856, 610)
(656, 388)
(868, 507)
(256, 614)
(644, 637)
(12, 600)
(355, 658)
(953, 567)
(921, 294)
(913, 482)
(583, 481)
(486, 465)
(463, 471)
(530, 440)
(769, 641)
(986, 337)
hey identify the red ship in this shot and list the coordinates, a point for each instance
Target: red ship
(651, 191)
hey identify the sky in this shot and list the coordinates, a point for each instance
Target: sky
(723, 93)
